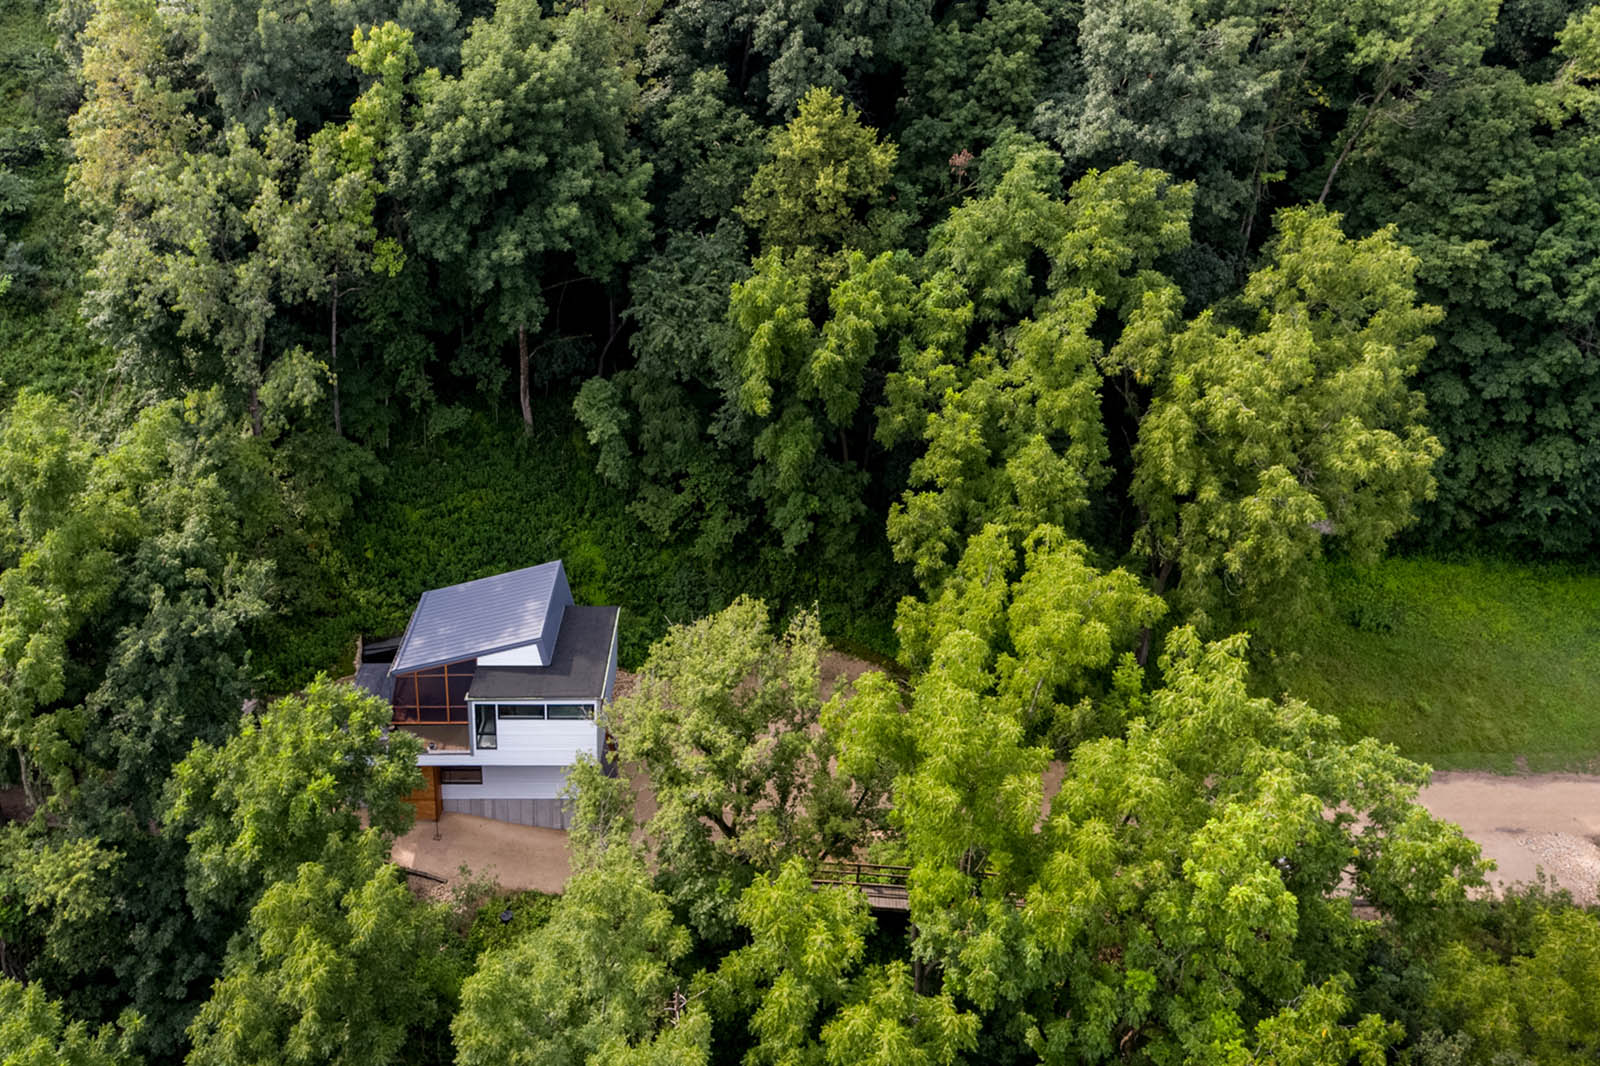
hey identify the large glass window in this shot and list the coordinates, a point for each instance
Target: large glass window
(569, 711)
(522, 710)
(488, 736)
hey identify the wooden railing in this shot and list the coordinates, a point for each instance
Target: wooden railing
(884, 886)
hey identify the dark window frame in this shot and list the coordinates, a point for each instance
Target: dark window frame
(485, 712)
(461, 775)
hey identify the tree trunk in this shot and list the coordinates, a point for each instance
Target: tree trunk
(255, 390)
(522, 379)
(333, 357)
(28, 792)
(1158, 584)
(1366, 120)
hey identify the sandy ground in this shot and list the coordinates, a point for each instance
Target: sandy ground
(1549, 821)
(517, 856)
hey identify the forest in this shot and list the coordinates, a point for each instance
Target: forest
(1196, 402)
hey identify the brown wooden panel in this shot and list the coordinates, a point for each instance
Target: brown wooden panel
(426, 799)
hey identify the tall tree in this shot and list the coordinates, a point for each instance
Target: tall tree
(33, 1032)
(337, 965)
(1294, 426)
(807, 992)
(1490, 185)
(824, 175)
(59, 570)
(293, 782)
(724, 719)
(1184, 895)
(1000, 383)
(274, 59)
(522, 168)
(596, 984)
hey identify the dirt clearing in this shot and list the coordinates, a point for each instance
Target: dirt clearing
(1527, 822)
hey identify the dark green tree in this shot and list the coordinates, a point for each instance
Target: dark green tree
(521, 172)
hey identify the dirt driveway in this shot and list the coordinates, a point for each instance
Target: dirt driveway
(1527, 822)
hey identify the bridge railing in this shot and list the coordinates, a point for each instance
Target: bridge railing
(867, 875)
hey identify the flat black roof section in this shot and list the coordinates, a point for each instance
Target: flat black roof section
(583, 655)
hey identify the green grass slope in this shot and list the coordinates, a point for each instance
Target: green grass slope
(1463, 664)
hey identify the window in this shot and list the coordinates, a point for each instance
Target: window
(437, 695)
(522, 710)
(570, 711)
(461, 775)
(487, 736)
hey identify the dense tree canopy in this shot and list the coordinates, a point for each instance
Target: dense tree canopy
(1053, 355)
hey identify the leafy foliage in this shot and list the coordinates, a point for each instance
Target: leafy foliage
(286, 787)
(335, 968)
(594, 984)
(34, 1033)
(724, 719)
(1262, 440)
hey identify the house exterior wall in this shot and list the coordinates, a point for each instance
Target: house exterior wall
(525, 795)
(512, 782)
(536, 743)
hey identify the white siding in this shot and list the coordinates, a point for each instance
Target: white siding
(540, 743)
(526, 655)
(511, 782)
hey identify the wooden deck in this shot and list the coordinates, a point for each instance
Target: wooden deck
(884, 886)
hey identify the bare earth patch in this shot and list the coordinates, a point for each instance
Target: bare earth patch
(1527, 823)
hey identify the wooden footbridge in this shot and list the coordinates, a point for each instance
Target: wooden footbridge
(883, 886)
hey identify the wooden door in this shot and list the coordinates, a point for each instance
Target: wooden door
(426, 799)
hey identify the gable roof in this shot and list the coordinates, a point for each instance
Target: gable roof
(484, 616)
(579, 670)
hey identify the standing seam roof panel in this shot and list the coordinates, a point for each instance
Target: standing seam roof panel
(479, 617)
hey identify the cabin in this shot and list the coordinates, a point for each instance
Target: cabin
(505, 680)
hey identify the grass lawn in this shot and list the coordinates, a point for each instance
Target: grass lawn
(1462, 664)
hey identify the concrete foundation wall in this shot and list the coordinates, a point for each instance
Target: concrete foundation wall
(548, 813)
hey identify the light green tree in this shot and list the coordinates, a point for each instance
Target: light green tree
(58, 569)
(34, 1032)
(809, 998)
(805, 382)
(724, 720)
(1001, 379)
(1186, 895)
(336, 964)
(1536, 1005)
(596, 984)
(296, 779)
(1295, 426)
(824, 176)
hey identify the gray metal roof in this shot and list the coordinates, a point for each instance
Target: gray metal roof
(577, 672)
(484, 616)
